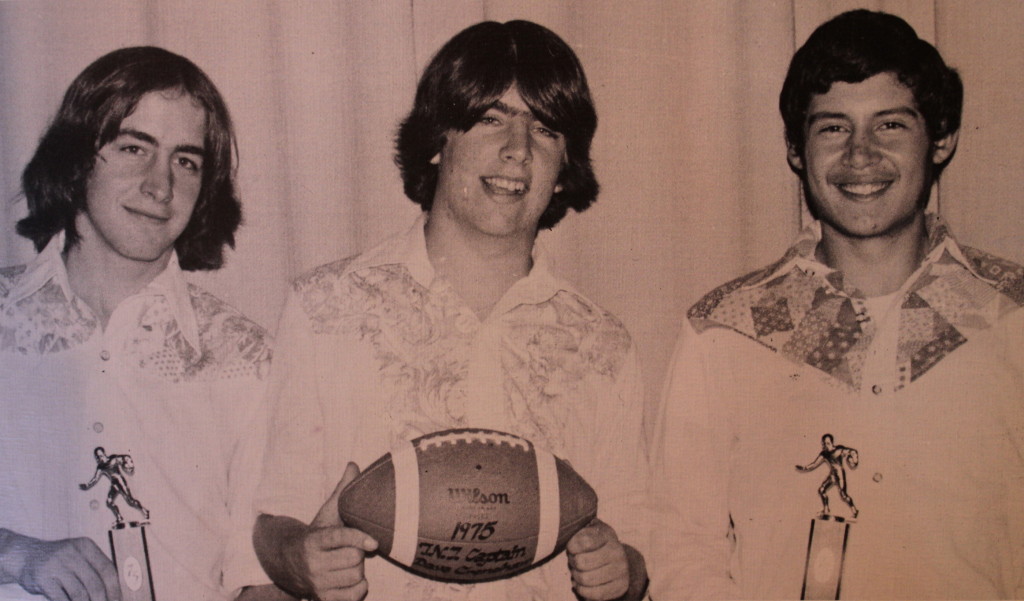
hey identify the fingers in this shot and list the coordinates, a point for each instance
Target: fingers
(335, 553)
(328, 514)
(70, 570)
(338, 578)
(613, 589)
(337, 575)
(600, 578)
(104, 570)
(598, 563)
(53, 590)
(351, 472)
(331, 539)
(590, 538)
(353, 593)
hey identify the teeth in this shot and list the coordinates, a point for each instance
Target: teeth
(508, 185)
(864, 189)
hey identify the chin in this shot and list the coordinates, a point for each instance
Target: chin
(878, 229)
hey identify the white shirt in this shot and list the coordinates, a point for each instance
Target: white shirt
(376, 349)
(930, 394)
(175, 381)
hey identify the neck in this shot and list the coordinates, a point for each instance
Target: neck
(878, 265)
(103, 280)
(481, 268)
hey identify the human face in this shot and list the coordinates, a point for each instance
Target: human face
(868, 162)
(497, 178)
(145, 182)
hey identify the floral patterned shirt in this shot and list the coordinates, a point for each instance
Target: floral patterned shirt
(376, 349)
(928, 388)
(175, 381)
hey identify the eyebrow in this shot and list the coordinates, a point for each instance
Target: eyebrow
(144, 137)
(510, 110)
(901, 110)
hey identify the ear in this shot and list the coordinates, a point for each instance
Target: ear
(558, 188)
(943, 148)
(436, 160)
(796, 162)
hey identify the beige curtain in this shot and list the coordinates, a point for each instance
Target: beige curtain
(689, 150)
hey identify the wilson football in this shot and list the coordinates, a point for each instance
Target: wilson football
(468, 505)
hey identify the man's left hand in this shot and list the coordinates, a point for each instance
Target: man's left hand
(598, 563)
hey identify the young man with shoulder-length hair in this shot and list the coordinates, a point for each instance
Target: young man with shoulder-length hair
(111, 363)
(877, 341)
(459, 323)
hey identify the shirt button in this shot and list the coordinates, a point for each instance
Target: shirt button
(105, 355)
(97, 427)
(877, 477)
(876, 389)
(94, 504)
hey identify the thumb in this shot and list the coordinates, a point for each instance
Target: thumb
(328, 514)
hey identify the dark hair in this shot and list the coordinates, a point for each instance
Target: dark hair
(90, 116)
(857, 45)
(472, 72)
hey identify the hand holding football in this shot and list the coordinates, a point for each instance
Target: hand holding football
(468, 505)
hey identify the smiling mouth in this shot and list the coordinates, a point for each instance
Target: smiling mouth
(147, 216)
(864, 189)
(505, 186)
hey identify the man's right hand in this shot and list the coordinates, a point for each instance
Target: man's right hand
(323, 560)
(72, 569)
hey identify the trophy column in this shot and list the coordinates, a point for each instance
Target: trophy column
(826, 549)
(130, 552)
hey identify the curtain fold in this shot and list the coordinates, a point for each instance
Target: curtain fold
(689, 150)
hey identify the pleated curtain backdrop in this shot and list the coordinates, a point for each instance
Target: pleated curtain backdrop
(689, 151)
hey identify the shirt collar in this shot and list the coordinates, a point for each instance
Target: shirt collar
(49, 266)
(46, 266)
(801, 255)
(172, 285)
(410, 249)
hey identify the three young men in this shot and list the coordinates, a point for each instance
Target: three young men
(107, 352)
(459, 323)
(875, 331)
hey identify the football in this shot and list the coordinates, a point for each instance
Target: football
(468, 505)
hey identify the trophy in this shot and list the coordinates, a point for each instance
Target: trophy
(826, 547)
(127, 539)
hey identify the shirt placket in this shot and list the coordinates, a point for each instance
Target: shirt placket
(879, 376)
(103, 419)
(484, 394)
(110, 399)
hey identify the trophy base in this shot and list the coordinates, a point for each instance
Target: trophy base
(826, 549)
(130, 551)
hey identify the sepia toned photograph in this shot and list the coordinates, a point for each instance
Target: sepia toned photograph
(488, 300)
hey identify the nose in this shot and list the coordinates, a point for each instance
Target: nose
(861, 150)
(158, 180)
(517, 146)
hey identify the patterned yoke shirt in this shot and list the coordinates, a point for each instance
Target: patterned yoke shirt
(927, 387)
(376, 349)
(175, 381)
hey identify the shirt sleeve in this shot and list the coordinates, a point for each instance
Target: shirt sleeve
(691, 546)
(293, 481)
(1015, 422)
(618, 466)
(241, 566)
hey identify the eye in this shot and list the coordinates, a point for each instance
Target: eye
(489, 119)
(831, 129)
(189, 164)
(892, 125)
(547, 132)
(131, 149)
